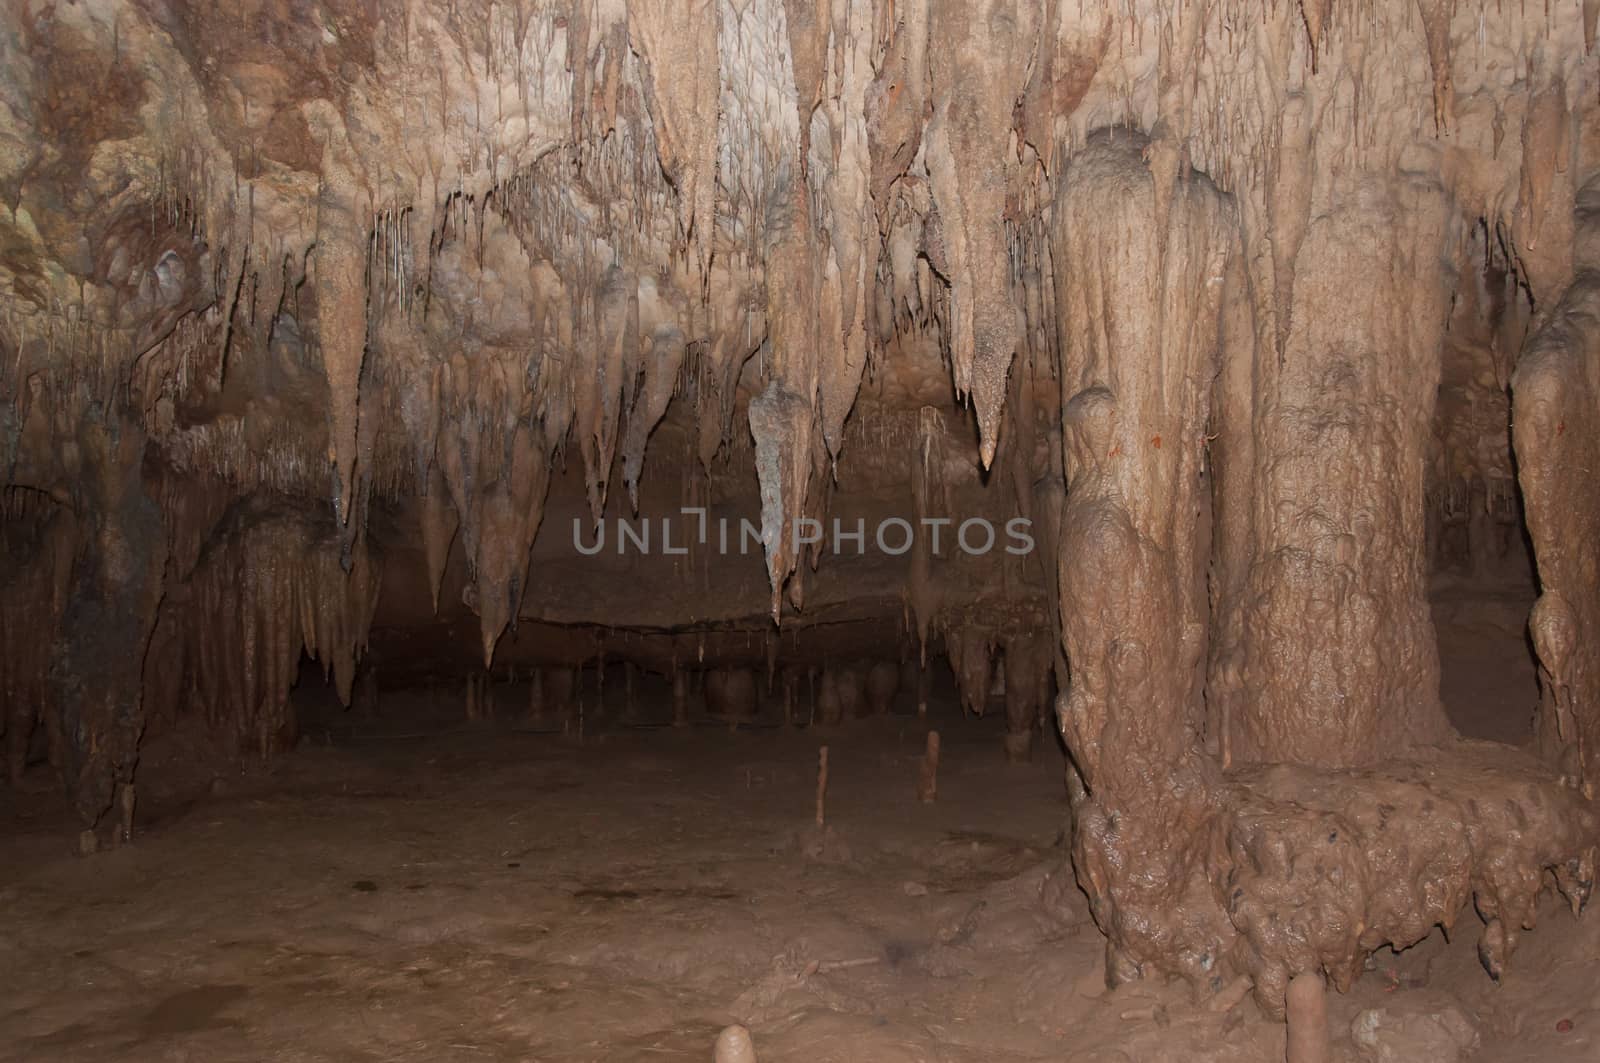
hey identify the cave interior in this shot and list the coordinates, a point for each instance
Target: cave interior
(976, 530)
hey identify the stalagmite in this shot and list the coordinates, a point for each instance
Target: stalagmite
(829, 705)
(680, 698)
(366, 695)
(735, 1046)
(731, 694)
(536, 703)
(928, 772)
(822, 786)
(1307, 1006)
(1027, 658)
(850, 685)
(883, 683)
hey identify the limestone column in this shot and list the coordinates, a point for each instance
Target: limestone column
(110, 615)
(1140, 270)
(1556, 419)
(1325, 652)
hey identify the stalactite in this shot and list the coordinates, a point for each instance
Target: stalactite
(678, 41)
(976, 79)
(782, 417)
(846, 265)
(341, 298)
(517, 226)
(897, 101)
(664, 360)
(1436, 15)
(608, 364)
(439, 526)
(971, 652)
(270, 588)
(512, 511)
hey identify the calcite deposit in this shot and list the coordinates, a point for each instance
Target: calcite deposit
(340, 329)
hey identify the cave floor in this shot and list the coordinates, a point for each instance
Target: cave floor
(401, 893)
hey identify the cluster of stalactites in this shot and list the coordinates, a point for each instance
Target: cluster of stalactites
(38, 544)
(228, 642)
(659, 164)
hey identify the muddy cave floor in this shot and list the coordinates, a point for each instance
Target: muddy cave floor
(412, 888)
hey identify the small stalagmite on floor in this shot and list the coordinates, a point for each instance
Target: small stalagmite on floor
(734, 1045)
(928, 771)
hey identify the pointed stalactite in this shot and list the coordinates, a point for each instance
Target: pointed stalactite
(580, 18)
(512, 510)
(931, 500)
(607, 363)
(808, 23)
(780, 421)
(1167, 151)
(782, 417)
(971, 652)
(339, 280)
(665, 359)
(419, 402)
(439, 526)
(977, 73)
(846, 266)
(270, 588)
(1436, 15)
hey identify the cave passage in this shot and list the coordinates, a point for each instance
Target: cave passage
(799, 530)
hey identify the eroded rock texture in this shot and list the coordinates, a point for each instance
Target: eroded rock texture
(1557, 409)
(1321, 515)
(1135, 263)
(331, 329)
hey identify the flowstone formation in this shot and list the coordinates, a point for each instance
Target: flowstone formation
(344, 324)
